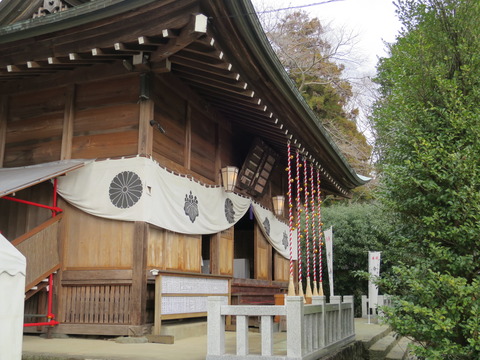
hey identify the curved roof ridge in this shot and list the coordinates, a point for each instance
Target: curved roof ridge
(245, 16)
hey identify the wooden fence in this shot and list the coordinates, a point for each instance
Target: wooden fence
(312, 330)
(40, 247)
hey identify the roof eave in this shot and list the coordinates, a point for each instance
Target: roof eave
(244, 16)
(74, 16)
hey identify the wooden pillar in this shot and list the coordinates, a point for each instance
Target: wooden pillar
(68, 119)
(139, 274)
(218, 151)
(3, 127)
(147, 109)
(188, 138)
(215, 254)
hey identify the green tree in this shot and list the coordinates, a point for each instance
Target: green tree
(428, 127)
(358, 229)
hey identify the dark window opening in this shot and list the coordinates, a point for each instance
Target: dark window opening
(206, 266)
(243, 264)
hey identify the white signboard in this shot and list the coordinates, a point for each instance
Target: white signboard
(374, 271)
(188, 295)
(193, 285)
(329, 248)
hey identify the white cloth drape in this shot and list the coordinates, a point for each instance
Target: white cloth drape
(138, 189)
(12, 294)
(276, 232)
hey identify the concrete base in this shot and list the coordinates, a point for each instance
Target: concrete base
(184, 329)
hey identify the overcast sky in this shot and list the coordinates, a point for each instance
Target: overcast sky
(373, 20)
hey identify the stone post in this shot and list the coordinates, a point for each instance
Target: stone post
(320, 300)
(350, 322)
(364, 306)
(267, 335)
(216, 325)
(242, 335)
(295, 331)
(337, 299)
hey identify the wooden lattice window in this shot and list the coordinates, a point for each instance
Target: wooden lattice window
(257, 168)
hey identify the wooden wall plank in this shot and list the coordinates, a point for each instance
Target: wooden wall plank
(203, 146)
(106, 119)
(68, 118)
(34, 127)
(172, 251)
(17, 219)
(281, 268)
(3, 126)
(30, 154)
(92, 242)
(114, 91)
(170, 113)
(221, 252)
(262, 256)
(105, 145)
(34, 103)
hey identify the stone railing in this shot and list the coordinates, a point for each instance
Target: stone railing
(312, 330)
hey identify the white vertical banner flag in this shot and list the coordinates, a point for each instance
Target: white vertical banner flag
(329, 248)
(374, 271)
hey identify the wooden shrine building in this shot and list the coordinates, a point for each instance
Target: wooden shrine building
(116, 120)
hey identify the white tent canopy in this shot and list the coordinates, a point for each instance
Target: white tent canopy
(16, 179)
(12, 294)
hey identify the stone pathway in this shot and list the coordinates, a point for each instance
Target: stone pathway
(193, 348)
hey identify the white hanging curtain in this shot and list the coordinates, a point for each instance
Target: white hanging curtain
(275, 231)
(12, 295)
(138, 189)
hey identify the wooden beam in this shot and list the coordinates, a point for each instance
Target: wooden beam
(210, 83)
(27, 70)
(233, 81)
(68, 119)
(158, 40)
(46, 65)
(88, 57)
(132, 48)
(3, 126)
(219, 70)
(210, 57)
(194, 29)
(111, 53)
(162, 66)
(138, 301)
(140, 62)
(105, 275)
(65, 60)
